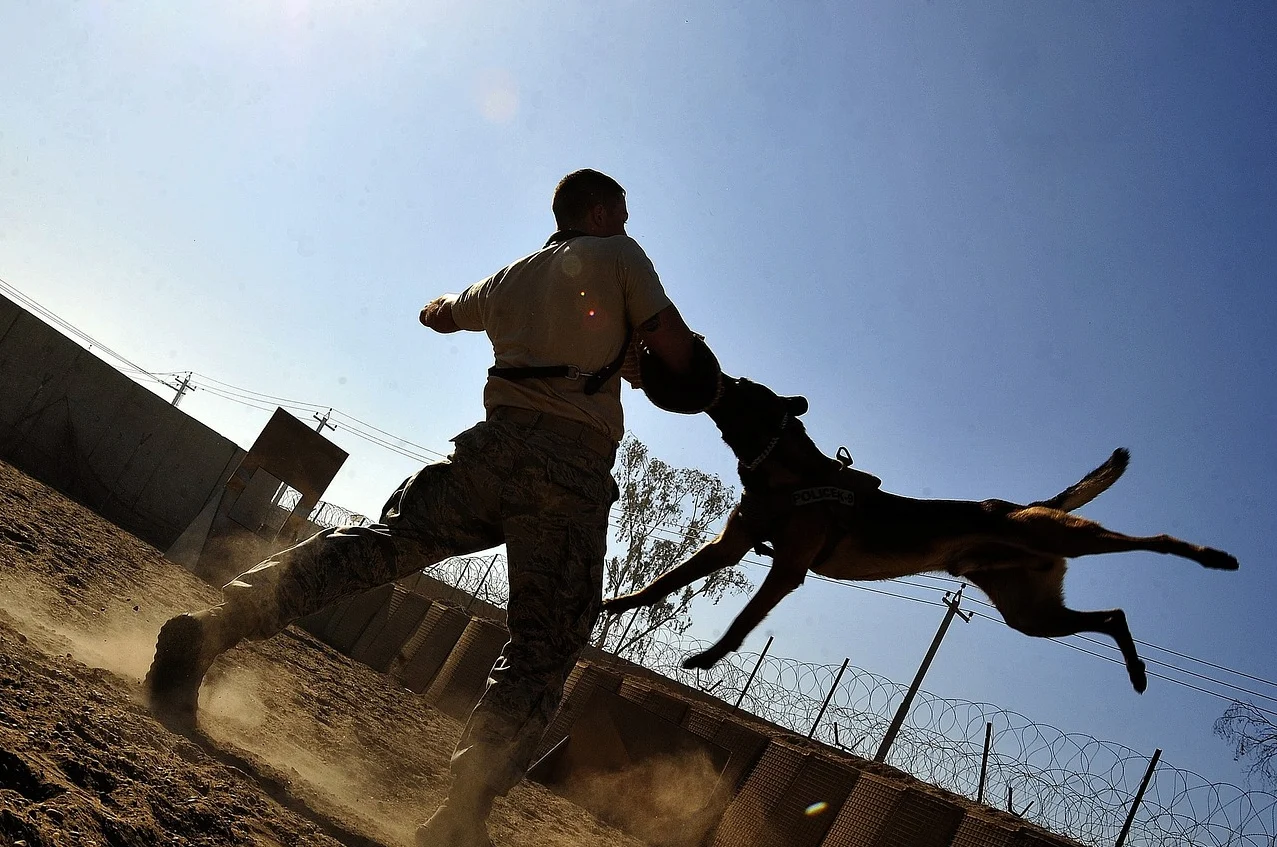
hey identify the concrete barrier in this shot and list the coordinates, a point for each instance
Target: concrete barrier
(75, 423)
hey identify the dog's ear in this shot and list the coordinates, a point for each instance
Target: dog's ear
(796, 405)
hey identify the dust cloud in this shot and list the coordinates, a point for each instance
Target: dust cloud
(113, 633)
(660, 800)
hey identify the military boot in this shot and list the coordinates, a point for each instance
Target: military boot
(184, 651)
(457, 824)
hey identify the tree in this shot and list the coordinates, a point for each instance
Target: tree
(1254, 736)
(663, 516)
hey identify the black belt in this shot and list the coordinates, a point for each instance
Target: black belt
(593, 381)
(582, 433)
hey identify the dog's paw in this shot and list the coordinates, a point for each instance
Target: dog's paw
(616, 605)
(1139, 678)
(702, 661)
(1217, 559)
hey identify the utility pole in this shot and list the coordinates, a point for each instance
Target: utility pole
(323, 422)
(899, 719)
(182, 387)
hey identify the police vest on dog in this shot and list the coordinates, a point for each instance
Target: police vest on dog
(823, 493)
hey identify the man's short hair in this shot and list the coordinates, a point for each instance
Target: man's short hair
(579, 192)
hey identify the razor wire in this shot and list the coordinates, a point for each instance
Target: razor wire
(1067, 782)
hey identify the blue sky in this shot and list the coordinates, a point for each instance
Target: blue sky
(989, 242)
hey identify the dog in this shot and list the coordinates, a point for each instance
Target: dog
(811, 512)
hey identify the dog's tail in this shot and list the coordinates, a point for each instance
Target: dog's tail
(1091, 485)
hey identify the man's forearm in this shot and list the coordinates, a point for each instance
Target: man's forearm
(668, 337)
(437, 314)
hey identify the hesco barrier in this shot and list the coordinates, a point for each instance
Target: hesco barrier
(775, 789)
(1038, 838)
(390, 629)
(340, 624)
(881, 813)
(464, 675)
(744, 743)
(867, 812)
(577, 691)
(352, 616)
(789, 799)
(428, 648)
(978, 832)
(654, 700)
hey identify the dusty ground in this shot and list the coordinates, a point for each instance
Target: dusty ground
(299, 745)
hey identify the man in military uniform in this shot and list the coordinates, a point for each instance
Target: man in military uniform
(535, 475)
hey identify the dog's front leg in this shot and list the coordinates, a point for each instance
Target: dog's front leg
(722, 552)
(796, 548)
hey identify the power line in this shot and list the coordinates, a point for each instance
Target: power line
(73, 330)
(382, 438)
(280, 401)
(946, 583)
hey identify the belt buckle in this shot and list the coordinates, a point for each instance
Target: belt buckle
(573, 372)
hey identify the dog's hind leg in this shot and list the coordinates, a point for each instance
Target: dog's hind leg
(1030, 600)
(1062, 534)
(723, 551)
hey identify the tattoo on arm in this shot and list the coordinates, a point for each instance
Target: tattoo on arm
(651, 324)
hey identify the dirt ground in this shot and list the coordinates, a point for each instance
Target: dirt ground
(298, 745)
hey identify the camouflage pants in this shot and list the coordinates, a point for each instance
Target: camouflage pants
(544, 496)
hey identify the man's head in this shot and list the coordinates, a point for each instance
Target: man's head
(591, 202)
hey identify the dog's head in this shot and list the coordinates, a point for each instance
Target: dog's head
(751, 417)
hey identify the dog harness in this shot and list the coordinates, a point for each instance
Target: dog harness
(594, 381)
(837, 493)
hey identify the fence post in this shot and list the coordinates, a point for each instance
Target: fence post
(828, 697)
(899, 719)
(460, 578)
(483, 579)
(984, 761)
(620, 642)
(1139, 796)
(757, 665)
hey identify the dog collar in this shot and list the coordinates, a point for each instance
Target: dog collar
(771, 445)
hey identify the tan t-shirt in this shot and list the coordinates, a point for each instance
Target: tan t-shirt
(567, 304)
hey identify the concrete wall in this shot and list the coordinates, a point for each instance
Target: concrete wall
(77, 424)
